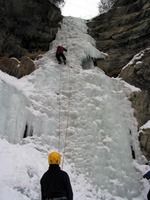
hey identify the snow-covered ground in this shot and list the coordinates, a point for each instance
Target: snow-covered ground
(76, 109)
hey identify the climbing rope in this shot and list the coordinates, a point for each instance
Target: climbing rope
(68, 117)
(59, 103)
(68, 114)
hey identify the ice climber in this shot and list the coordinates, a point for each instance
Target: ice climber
(60, 55)
(147, 176)
(55, 183)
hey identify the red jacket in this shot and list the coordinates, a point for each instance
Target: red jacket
(60, 48)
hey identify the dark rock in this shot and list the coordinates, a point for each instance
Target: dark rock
(144, 138)
(137, 72)
(26, 67)
(17, 68)
(27, 26)
(141, 104)
(121, 32)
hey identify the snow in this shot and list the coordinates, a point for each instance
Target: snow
(72, 109)
(136, 60)
(127, 88)
(146, 126)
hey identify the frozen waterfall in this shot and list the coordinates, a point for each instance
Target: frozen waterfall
(101, 128)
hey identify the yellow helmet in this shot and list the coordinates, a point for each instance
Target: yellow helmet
(54, 158)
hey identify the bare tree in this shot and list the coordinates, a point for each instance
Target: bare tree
(105, 5)
(57, 2)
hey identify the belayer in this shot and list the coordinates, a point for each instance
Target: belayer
(55, 183)
(60, 55)
(147, 176)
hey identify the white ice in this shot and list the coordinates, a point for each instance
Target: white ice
(74, 108)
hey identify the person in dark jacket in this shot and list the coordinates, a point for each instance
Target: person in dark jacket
(55, 183)
(60, 55)
(147, 176)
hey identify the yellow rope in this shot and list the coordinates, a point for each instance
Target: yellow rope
(59, 110)
(68, 117)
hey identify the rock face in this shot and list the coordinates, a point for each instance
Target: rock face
(137, 73)
(141, 104)
(144, 136)
(27, 26)
(17, 68)
(122, 32)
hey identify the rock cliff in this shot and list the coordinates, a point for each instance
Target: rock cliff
(122, 32)
(27, 26)
(137, 73)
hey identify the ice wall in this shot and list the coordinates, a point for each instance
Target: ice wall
(91, 107)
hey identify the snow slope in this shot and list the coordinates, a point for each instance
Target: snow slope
(74, 109)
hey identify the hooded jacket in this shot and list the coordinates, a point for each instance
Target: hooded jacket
(56, 183)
